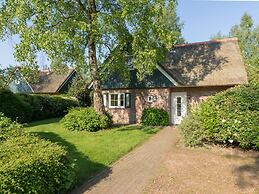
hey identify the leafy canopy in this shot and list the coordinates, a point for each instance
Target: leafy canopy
(143, 29)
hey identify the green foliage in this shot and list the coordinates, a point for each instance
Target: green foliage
(29, 164)
(8, 128)
(230, 117)
(25, 107)
(45, 106)
(85, 119)
(14, 107)
(191, 130)
(79, 90)
(67, 27)
(154, 117)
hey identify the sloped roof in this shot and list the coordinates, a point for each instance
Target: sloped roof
(50, 82)
(156, 80)
(211, 63)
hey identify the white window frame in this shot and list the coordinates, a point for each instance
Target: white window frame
(119, 100)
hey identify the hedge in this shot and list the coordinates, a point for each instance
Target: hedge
(32, 165)
(230, 117)
(8, 128)
(29, 164)
(26, 107)
(155, 117)
(45, 106)
(14, 107)
(85, 119)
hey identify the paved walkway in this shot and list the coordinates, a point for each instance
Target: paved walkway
(132, 172)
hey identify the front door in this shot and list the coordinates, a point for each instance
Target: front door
(178, 107)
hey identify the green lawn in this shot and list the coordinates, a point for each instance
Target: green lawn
(93, 151)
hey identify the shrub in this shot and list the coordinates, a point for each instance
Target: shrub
(14, 107)
(191, 130)
(85, 119)
(229, 117)
(154, 117)
(45, 106)
(29, 164)
(8, 128)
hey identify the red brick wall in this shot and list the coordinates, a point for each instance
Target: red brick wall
(196, 95)
(139, 101)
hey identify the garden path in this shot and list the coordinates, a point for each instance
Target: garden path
(132, 172)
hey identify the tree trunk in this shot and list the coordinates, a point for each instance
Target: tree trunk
(97, 98)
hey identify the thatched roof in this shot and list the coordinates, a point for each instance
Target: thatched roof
(212, 63)
(51, 82)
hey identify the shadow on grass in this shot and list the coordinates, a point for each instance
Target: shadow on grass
(247, 174)
(86, 168)
(43, 122)
(146, 129)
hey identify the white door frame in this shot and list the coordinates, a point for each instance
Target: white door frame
(178, 107)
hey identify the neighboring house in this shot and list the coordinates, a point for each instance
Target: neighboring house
(190, 73)
(18, 83)
(48, 83)
(54, 83)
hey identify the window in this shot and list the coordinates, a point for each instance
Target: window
(17, 81)
(179, 106)
(117, 100)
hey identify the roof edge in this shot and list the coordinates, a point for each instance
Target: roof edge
(208, 42)
(167, 75)
(64, 82)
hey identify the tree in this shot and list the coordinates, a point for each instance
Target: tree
(83, 33)
(218, 35)
(79, 89)
(248, 37)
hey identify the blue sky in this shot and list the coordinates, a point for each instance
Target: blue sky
(201, 18)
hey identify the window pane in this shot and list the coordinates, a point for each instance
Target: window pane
(114, 99)
(179, 106)
(179, 99)
(122, 100)
(127, 100)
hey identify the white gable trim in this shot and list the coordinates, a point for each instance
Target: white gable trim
(90, 85)
(167, 75)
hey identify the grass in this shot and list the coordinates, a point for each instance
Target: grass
(93, 151)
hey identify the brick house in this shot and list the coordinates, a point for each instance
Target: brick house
(190, 73)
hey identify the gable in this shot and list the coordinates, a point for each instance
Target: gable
(51, 82)
(156, 80)
(19, 85)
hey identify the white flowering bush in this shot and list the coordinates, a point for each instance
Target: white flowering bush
(229, 117)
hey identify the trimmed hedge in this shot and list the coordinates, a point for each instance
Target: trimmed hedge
(85, 119)
(25, 107)
(29, 164)
(229, 117)
(155, 117)
(14, 107)
(45, 106)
